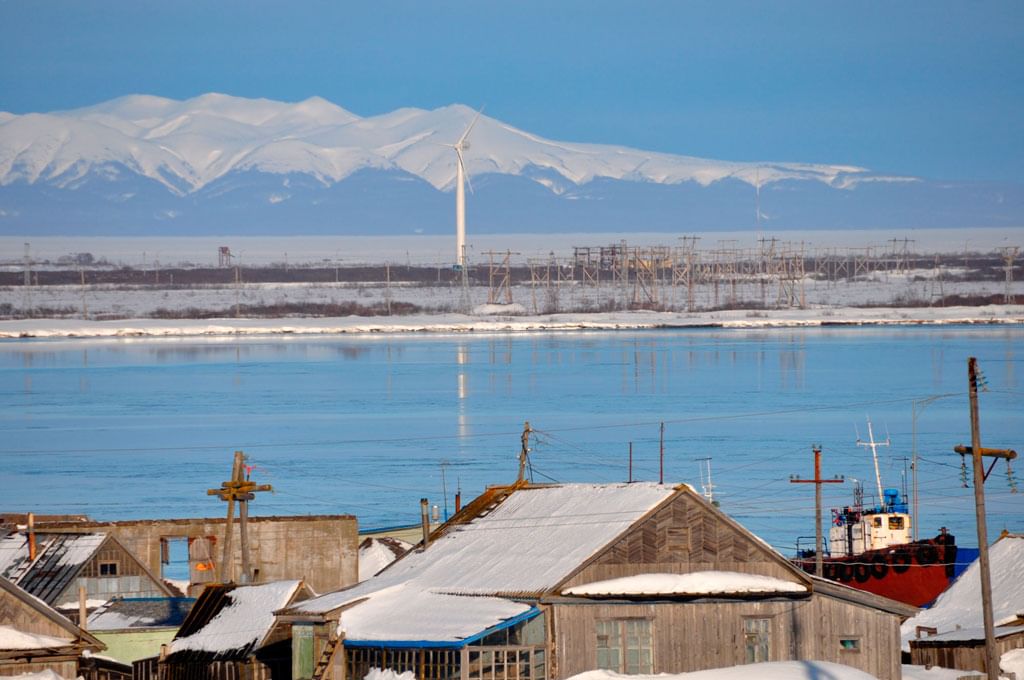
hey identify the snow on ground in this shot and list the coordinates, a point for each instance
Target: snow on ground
(775, 670)
(696, 583)
(244, 621)
(11, 638)
(960, 605)
(379, 674)
(1013, 662)
(461, 323)
(40, 675)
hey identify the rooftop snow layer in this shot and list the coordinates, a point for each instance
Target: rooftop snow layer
(527, 544)
(960, 605)
(398, 614)
(142, 612)
(377, 553)
(11, 639)
(696, 583)
(242, 623)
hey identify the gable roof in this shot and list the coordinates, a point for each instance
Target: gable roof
(43, 610)
(524, 545)
(60, 557)
(231, 621)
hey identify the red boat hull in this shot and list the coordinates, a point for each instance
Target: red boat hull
(914, 573)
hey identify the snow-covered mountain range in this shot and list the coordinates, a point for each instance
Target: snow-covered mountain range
(220, 164)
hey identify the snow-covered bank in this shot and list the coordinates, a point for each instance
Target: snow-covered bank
(462, 323)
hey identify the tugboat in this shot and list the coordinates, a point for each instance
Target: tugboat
(871, 548)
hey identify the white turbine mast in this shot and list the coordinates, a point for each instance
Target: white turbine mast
(461, 177)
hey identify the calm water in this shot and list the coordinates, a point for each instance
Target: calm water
(369, 425)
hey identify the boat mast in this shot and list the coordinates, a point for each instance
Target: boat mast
(874, 455)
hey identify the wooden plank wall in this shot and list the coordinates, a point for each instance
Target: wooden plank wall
(65, 669)
(698, 636)
(18, 615)
(965, 657)
(686, 535)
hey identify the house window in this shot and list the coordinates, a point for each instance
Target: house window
(849, 644)
(757, 639)
(108, 568)
(624, 646)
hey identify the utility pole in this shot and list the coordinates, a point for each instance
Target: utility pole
(817, 482)
(661, 455)
(524, 452)
(976, 452)
(240, 489)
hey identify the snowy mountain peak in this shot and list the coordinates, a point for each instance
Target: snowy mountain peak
(186, 145)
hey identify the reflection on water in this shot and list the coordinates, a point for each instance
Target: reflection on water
(329, 417)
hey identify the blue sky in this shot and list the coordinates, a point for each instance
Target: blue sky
(933, 89)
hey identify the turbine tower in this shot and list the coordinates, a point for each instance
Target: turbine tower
(461, 176)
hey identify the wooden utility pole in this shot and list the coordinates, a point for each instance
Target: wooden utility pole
(661, 454)
(524, 452)
(240, 489)
(817, 482)
(977, 452)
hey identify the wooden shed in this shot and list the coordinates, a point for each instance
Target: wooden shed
(964, 649)
(541, 582)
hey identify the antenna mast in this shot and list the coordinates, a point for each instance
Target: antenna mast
(873, 445)
(706, 487)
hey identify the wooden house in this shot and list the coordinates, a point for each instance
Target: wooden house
(964, 649)
(52, 566)
(541, 582)
(230, 634)
(34, 637)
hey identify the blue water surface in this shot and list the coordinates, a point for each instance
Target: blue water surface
(368, 425)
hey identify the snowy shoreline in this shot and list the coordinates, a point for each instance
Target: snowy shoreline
(464, 323)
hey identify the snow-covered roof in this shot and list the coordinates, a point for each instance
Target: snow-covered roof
(397, 614)
(527, 544)
(59, 557)
(972, 634)
(700, 583)
(960, 605)
(244, 619)
(377, 553)
(12, 639)
(141, 612)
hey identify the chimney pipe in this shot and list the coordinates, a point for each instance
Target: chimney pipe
(458, 501)
(31, 537)
(425, 518)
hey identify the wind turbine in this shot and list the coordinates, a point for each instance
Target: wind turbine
(461, 176)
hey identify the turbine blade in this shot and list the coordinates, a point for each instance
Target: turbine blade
(465, 172)
(470, 128)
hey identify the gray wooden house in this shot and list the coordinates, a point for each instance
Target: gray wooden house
(541, 582)
(52, 566)
(964, 649)
(34, 637)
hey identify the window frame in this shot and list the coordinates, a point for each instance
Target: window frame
(855, 649)
(621, 636)
(112, 566)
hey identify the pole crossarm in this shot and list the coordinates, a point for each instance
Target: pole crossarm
(241, 490)
(1008, 454)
